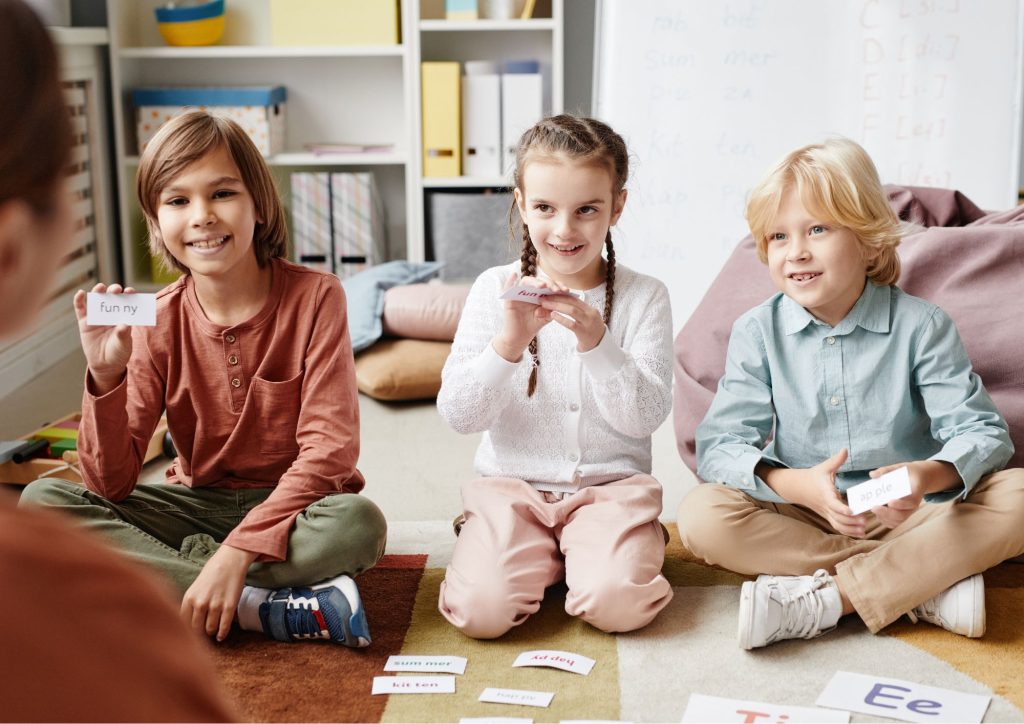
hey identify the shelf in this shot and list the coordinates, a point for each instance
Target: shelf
(310, 159)
(467, 182)
(265, 51)
(478, 25)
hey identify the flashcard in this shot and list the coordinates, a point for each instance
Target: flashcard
(703, 708)
(427, 664)
(106, 310)
(878, 491)
(532, 295)
(517, 696)
(897, 699)
(413, 685)
(564, 660)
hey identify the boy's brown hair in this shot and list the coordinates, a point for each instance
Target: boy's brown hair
(835, 179)
(34, 123)
(184, 140)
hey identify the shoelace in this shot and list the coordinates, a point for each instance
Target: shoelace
(926, 610)
(304, 621)
(802, 614)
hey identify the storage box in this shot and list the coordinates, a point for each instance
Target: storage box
(469, 232)
(24, 473)
(260, 110)
(334, 22)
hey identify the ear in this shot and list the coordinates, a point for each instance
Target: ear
(619, 205)
(16, 220)
(520, 201)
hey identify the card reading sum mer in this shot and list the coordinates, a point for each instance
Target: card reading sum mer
(106, 310)
(532, 295)
(878, 491)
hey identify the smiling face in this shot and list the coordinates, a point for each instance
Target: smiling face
(812, 261)
(207, 218)
(568, 207)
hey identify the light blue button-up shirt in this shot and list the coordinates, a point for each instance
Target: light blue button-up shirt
(891, 383)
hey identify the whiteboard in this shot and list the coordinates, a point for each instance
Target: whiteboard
(709, 94)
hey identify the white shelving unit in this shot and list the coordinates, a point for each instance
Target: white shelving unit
(358, 94)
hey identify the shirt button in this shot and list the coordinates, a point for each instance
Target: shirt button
(830, 340)
(574, 407)
(833, 401)
(235, 382)
(232, 359)
(574, 457)
(230, 338)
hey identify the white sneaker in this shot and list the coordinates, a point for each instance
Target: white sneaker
(774, 608)
(960, 608)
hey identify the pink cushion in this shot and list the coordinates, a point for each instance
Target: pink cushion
(424, 311)
(972, 268)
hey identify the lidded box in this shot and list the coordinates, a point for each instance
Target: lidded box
(259, 110)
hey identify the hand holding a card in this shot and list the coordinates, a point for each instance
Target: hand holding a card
(107, 348)
(926, 476)
(578, 317)
(815, 488)
(522, 320)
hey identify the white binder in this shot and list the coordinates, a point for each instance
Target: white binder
(521, 107)
(481, 125)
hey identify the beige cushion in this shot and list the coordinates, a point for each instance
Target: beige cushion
(401, 369)
(424, 311)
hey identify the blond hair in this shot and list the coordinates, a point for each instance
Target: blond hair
(184, 140)
(838, 180)
(586, 141)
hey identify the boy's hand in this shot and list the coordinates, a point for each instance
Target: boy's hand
(825, 499)
(926, 476)
(107, 349)
(577, 316)
(210, 602)
(522, 320)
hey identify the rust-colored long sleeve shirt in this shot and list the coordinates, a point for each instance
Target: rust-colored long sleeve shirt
(270, 402)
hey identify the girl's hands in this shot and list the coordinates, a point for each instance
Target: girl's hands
(522, 320)
(577, 316)
(210, 603)
(107, 349)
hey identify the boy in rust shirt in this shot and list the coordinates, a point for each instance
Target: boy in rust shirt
(251, 359)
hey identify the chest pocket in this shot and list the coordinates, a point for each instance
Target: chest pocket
(277, 407)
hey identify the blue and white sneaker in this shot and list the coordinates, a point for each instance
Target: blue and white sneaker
(331, 610)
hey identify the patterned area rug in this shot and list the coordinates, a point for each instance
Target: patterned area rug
(643, 676)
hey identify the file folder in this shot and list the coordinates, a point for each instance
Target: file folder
(521, 107)
(481, 125)
(442, 145)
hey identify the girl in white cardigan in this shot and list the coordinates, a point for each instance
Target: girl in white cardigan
(567, 393)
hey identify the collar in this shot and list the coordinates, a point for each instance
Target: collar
(871, 312)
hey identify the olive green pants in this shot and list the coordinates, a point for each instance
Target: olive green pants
(175, 529)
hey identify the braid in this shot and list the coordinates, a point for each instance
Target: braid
(528, 267)
(609, 289)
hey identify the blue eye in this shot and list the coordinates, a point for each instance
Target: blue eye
(777, 236)
(818, 229)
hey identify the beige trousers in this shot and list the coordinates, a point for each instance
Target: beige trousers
(605, 540)
(885, 574)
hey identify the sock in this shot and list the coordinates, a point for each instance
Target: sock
(249, 607)
(833, 605)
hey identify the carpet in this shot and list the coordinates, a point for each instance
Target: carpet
(642, 676)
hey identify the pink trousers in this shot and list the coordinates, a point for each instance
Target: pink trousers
(604, 540)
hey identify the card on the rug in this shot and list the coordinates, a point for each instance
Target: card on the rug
(898, 699)
(564, 660)
(702, 708)
(517, 696)
(878, 491)
(413, 685)
(106, 310)
(427, 664)
(532, 295)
